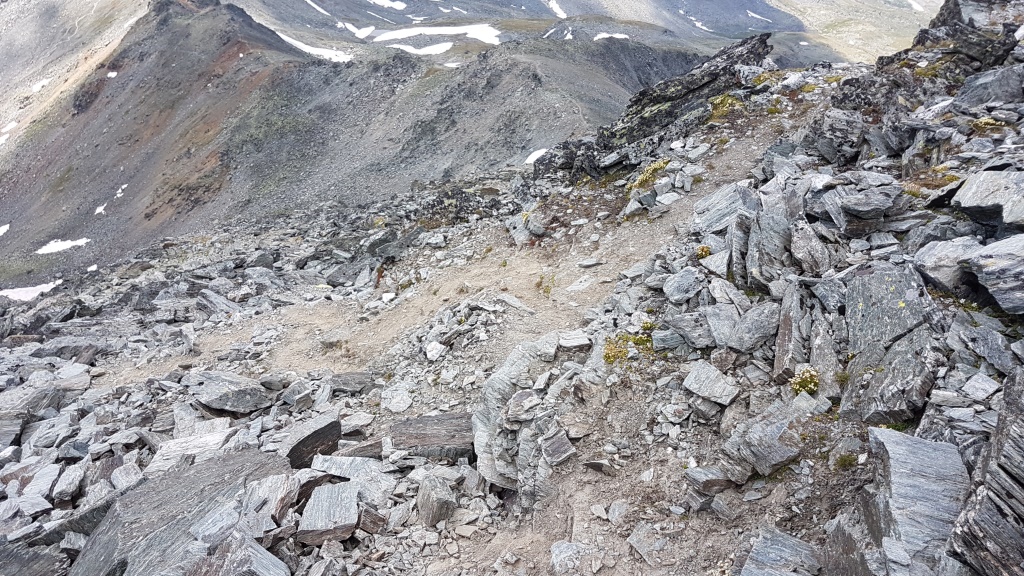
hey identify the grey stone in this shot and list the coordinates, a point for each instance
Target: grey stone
(214, 304)
(146, 531)
(999, 85)
(351, 382)
(883, 303)
(566, 557)
(990, 345)
(231, 392)
(993, 197)
(308, 438)
(684, 284)
(68, 484)
(778, 554)
(722, 320)
(939, 262)
(1000, 269)
(921, 489)
(574, 340)
(126, 476)
(989, 534)
(332, 513)
(647, 542)
(370, 476)
(241, 555)
(717, 211)
(199, 448)
(808, 249)
(435, 501)
(694, 328)
(217, 525)
(443, 436)
(979, 387)
(68, 347)
(708, 479)
(555, 446)
(756, 327)
(790, 348)
(706, 381)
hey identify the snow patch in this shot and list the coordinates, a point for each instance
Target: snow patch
(699, 24)
(388, 4)
(758, 16)
(100, 210)
(429, 50)
(325, 53)
(453, 64)
(317, 8)
(568, 35)
(111, 74)
(61, 245)
(92, 268)
(916, 6)
(40, 85)
(535, 156)
(120, 191)
(482, 32)
(4, 138)
(553, 5)
(8, 128)
(459, 9)
(604, 35)
(805, 44)
(29, 293)
(548, 33)
(4, 229)
(381, 17)
(359, 32)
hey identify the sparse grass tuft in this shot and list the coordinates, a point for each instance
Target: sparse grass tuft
(703, 252)
(722, 106)
(646, 177)
(846, 462)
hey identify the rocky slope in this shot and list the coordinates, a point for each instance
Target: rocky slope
(767, 322)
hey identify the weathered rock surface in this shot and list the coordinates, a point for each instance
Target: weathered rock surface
(1000, 270)
(996, 198)
(231, 393)
(989, 534)
(147, 530)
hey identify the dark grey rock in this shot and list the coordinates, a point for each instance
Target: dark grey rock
(68, 347)
(995, 198)
(435, 501)
(999, 85)
(790, 347)
(214, 304)
(756, 327)
(442, 436)
(989, 534)
(306, 439)
(883, 303)
(939, 262)
(708, 382)
(1000, 269)
(694, 328)
(708, 479)
(990, 345)
(146, 531)
(241, 555)
(20, 560)
(231, 392)
(352, 382)
(717, 212)
(808, 249)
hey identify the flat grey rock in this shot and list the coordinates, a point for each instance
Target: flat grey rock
(68, 347)
(443, 436)
(999, 85)
(308, 438)
(990, 345)
(989, 534)
(776, 553)
(1000, 269)
(756, 327)
(883, 303)
(370, 476)
(146, 531)
(993, 197)
(332, 513)
(231, 393)
(684, 284)
(435, 501)
(708, 382)
(922, 486)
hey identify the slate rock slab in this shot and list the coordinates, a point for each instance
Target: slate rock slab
(332, 513)
(146, 531)
(776, 553)
(1000, 269)
(708, 382)
(995, 198)
(232, 393)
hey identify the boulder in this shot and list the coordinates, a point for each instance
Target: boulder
(939, 262)
(756, 327)
(995, 198)
(1000, 269)
(68, 347)
(311, 437)
(146, 531)
(442, 436)
(435, 501)
(776, 553)
(332, 513)
(999, 85)
(231, 393)
(684, 284)
(706, 381)
(989, 534)
(919, 490)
